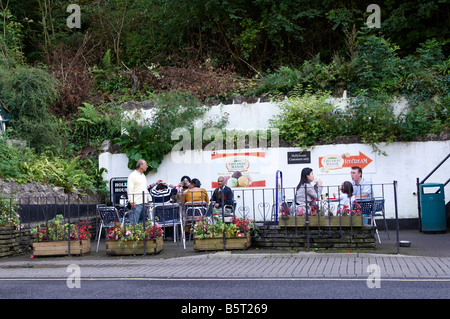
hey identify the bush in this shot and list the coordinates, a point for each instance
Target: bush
(372, 118)
(307, 119)
(27, 92)
(313, 74)
(10, 159)
(92, 125)
(151, 139)
(379, 63)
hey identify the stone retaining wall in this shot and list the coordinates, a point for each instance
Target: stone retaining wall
(14, 241)
(333, 238)
(37, 194)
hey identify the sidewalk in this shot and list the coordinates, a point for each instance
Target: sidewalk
(427, 258)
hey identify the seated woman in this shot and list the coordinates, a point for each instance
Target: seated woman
(194, 194)
(308, 190)
(345, 196)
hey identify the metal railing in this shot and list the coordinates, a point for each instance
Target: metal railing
(262, 206)
(259, 205)
(28, 213)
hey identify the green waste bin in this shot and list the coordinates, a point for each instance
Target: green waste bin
(432, 203)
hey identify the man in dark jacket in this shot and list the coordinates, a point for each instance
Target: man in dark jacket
(223, 195)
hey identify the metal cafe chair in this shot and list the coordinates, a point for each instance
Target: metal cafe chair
(228, 210)
(108, 216)
(368, 209)
(378, 211)
(169, 215)
(193, 210)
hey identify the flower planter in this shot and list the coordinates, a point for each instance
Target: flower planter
(346, 221)
(8, 225)
(118, 248)
(292, 221)
(216, 243)
(322, 221)
(61, 248)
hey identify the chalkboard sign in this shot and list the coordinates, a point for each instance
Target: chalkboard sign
(299, 157)
(118, 188)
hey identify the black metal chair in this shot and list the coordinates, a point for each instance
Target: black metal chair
(169, 215)
(368, 207)
(193, 210)
(378, 211)
(108, 217)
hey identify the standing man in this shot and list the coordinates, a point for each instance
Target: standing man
(224, 193)
(362, 188)
(136, 188)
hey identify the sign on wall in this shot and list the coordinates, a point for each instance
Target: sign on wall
(341, 163)
(239, 169)
(299, 157)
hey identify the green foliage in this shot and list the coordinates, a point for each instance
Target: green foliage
(306, 119)
(11, 36)
(27, 92)
(203, 55)
(379, 63)
(9, 211)
(23, 165)
(372, 118)
(108, 78)
(151, 139)
(10, 158)
(424, 118)
(92, 125)
(56, 171)
(313, 74)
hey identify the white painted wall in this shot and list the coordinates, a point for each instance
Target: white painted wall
(404, 163)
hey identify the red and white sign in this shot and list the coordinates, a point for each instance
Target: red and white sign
(239, 169)
(334, 162)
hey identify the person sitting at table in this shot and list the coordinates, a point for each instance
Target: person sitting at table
(194, 194)
(345, 195)
(308, 189)
(184, 184)
(362, 188)
(223, 195)
(163, 192)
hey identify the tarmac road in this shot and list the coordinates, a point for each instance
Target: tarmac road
(283, 280)
(237, 289)
(428, 257)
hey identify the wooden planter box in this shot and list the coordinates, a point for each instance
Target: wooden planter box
(216, 243)
(346, 221)
(61, 248)
(117, 248)
(292, 221)
(322, 221)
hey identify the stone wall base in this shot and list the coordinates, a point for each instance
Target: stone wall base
(331, 238)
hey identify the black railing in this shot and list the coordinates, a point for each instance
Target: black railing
(257, 205)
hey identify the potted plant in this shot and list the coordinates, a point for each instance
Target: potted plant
(54, 238)
(214, 234)
(139, 239)
(347, 216)
(297, 219)
(8, 212)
